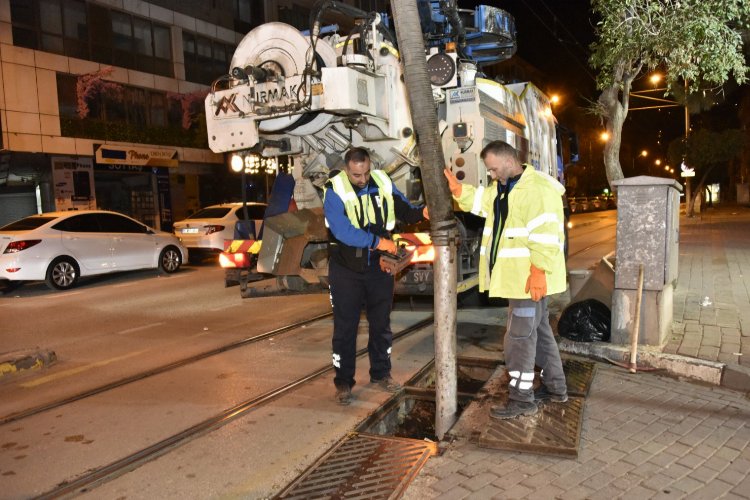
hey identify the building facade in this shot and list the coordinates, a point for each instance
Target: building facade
(101, 104)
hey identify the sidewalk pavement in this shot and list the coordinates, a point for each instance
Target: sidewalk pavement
(646, 435)
(712, 298)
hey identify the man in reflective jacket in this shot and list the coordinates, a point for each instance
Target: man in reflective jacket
(361, 207)
(522, 260)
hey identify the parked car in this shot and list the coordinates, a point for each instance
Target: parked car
(204, 232)
(578, 204)
(596, 203)
(61, 247)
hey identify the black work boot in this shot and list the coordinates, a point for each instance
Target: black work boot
(344, 395)
(542, 394)
(386, 384)
(513, 409)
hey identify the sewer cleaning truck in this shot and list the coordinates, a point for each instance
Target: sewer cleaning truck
(299, 100)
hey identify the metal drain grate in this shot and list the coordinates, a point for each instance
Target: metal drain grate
(362, 466)
(555, 430)
(578, 374)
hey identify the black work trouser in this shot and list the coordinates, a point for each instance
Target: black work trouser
(350, 291)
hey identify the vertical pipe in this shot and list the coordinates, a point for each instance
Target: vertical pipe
(440, 206)
(446, 269)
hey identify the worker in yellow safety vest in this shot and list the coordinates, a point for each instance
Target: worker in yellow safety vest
(361, 207)
(521, 259)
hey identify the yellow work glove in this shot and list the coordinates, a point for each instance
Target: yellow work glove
(536, 284)
(386, 245)
(453, 184)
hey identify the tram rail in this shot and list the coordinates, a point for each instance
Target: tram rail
(96, 477)
(15, 417)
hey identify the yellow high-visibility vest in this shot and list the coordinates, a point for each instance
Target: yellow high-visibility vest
(533, 234)
(342, 187)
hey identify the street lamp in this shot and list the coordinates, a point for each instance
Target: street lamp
(642, 154)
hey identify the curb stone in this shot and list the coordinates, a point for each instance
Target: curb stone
(693, 368)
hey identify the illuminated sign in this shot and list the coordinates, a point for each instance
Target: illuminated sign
(127, 155)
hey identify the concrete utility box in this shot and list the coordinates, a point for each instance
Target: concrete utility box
(648, 229)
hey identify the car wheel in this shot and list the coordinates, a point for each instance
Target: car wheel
(170, 260)
(62, 273)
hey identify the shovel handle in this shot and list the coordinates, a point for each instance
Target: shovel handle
(637, 323)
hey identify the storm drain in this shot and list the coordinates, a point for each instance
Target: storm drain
(363, 466)
(578, 374)
(554, 430)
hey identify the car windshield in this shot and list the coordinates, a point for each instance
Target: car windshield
(210, 213)
(27, 224)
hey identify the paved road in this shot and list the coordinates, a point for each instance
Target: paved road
(118, 325)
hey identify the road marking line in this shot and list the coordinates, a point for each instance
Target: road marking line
(80, 369)
(58, 295)
(137, 328)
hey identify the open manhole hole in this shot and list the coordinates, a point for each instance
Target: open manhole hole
(411, 413)
(389, 448)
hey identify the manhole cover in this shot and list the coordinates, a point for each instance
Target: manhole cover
(362, 466)
(554, 430)
(578, 374)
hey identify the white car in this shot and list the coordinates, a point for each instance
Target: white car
(206, 230)
(61, 247)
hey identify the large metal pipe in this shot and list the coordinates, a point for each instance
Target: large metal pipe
(446, 390)
(440, 206)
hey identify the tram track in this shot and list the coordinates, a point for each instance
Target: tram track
(98, 476)
(607, 239)
(17, 416)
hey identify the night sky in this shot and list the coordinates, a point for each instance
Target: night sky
(555, 36)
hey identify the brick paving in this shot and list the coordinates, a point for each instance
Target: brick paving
(645, 435)
(712, 298)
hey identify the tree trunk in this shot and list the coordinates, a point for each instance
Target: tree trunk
(696, 191)
(614, 117)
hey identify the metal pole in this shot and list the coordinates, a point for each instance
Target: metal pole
(446, 391)
(440, 207)
(688, 208)
(243, 178)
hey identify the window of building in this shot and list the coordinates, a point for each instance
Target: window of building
(247, 15)
(89, 31)
(135, 106)
(205, 59)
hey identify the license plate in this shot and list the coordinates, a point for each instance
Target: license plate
(190, 230)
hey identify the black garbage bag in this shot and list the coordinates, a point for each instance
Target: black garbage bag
(585, 321)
